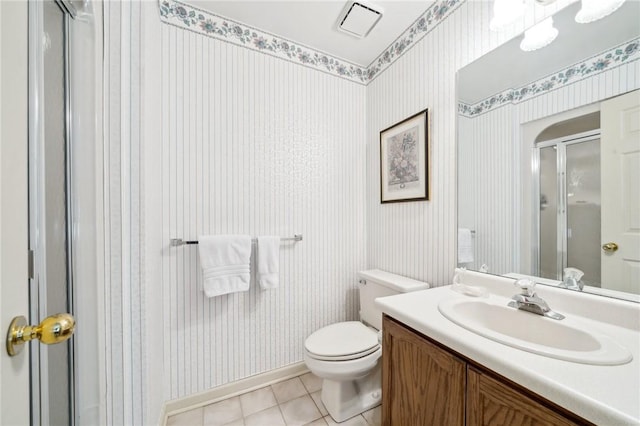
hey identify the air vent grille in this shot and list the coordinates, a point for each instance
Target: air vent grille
(359, 20)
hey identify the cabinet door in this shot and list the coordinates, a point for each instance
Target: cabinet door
(422, 385)
(490, 402)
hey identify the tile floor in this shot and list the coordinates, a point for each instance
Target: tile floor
(291, 402)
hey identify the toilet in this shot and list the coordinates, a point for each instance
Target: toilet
(347, 355)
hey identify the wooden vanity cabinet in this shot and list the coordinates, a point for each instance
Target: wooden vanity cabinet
(425, 384)
(493, 402)
(421, 383)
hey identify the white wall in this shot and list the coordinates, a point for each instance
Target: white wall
(231, 141)
(126, 324)
(257, 145)
(418, 239)
(486, 188)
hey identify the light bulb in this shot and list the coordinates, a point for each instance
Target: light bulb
(505, 12)
(592, 10)
(539, 36)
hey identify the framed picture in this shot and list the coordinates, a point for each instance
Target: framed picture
(404, 160)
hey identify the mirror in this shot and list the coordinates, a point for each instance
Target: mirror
(535, 174)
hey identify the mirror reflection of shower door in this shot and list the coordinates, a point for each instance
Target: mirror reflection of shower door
(569, 214)
(583, 209)
(548, 253)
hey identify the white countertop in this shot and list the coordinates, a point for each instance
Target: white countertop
(587, 288)
(604, 395)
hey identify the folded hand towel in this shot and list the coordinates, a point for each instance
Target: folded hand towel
(465, 246)
(225, 261)
(268, 265)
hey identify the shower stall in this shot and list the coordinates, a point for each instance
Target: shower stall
(567, 176)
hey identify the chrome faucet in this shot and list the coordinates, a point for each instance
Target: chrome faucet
(572, 278)
(528, 300)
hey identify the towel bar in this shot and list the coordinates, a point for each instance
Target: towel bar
(176, 242)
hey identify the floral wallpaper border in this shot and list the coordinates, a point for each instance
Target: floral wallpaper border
(421, 27)
(191, 18)
(182, 15)
(623, 53)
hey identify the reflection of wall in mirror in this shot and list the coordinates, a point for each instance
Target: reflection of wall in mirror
(419, 239)
(490, 161)
(485, 187)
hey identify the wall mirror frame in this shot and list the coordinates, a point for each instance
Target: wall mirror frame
(532, 187)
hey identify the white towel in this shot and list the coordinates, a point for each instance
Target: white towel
(465, 246)
(268, 262)
(225, 261)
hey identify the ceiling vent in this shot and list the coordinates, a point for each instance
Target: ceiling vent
(359, 19)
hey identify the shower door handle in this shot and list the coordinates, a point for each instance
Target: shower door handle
(610, 247)
(53, 329)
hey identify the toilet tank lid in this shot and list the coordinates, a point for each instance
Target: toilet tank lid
(393, 281)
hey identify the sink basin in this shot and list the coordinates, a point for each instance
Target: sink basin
(563, 339)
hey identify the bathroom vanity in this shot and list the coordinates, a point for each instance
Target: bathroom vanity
(427, 383)
(438, 372)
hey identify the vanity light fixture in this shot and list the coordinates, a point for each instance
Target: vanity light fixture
(505, 12)
(592, 10)
(539, 36)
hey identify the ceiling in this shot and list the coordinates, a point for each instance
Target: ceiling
(508, 67)
(314, 23)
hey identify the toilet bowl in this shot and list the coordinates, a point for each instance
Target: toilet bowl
(347, 355)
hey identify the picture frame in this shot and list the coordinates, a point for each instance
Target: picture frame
(404, 160)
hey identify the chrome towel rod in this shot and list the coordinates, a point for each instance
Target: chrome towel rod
(176, 242)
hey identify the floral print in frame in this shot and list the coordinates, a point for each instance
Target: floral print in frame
(404, 160)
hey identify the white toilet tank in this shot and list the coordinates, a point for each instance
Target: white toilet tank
(375, 283)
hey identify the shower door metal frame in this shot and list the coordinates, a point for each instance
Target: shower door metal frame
(37, 290)
(561, 196)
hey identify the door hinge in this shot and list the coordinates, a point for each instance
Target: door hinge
(31, 266)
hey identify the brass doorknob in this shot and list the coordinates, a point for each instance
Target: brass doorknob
(610, 247)
(53, 329)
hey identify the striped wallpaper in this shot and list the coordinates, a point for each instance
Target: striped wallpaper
(491, 201)
(124, 322)
(486, 189)
(418, 239)
(206, 137)
(252, 144)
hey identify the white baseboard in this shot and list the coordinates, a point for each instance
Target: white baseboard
(228, 390)
(162, 419)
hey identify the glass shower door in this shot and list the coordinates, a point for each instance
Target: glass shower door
(583, 209)
(549, 255)
(50, 242)
(569, 209)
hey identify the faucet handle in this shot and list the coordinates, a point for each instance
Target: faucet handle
(526, 286)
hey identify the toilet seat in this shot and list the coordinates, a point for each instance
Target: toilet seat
(342, 357)
(342, 342)
(343, 370)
